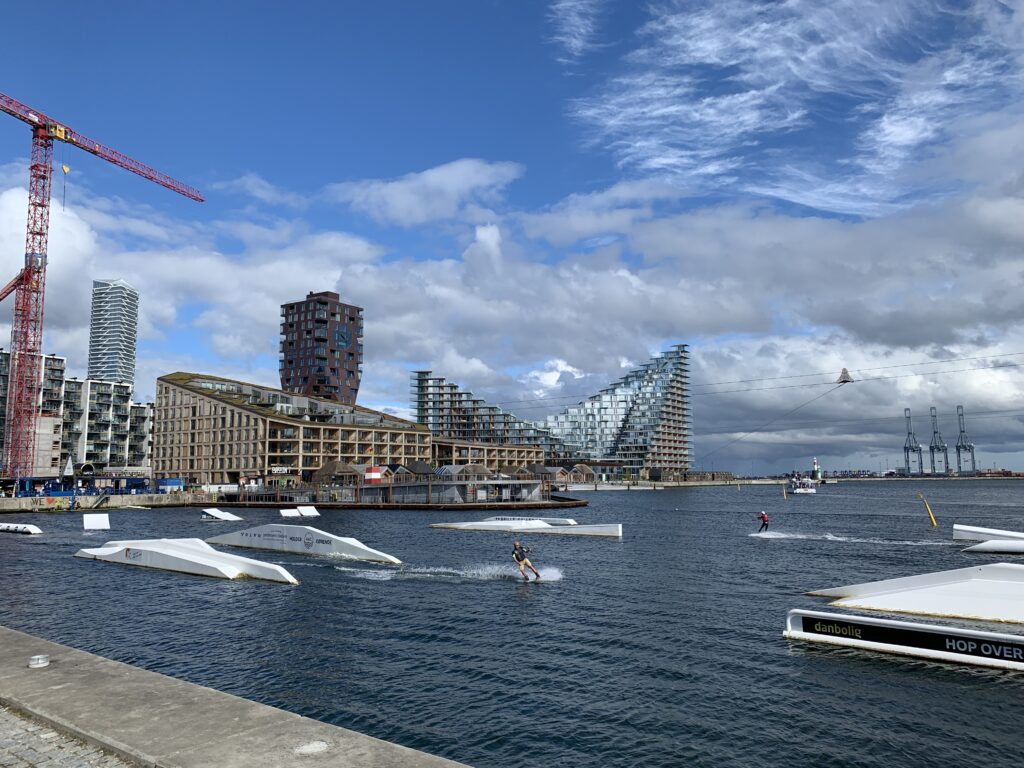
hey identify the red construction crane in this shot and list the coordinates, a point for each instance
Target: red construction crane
(24, 382)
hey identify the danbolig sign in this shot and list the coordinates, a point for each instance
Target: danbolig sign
(928, 640)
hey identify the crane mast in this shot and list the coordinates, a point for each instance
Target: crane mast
(25, 378)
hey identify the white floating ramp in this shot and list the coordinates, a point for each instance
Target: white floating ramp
(290, 513)
(993, 592)
(929, 641)
(213, 515)
(308, 512)
(96, 522)
(186, 556)
(19, 528)
(974, 533)
(549, 525)
(304, 540)
(999, 547)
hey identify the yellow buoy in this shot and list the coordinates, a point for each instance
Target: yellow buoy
(928, 508)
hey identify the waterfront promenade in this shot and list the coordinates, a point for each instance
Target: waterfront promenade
(25, 743)
(154, 720)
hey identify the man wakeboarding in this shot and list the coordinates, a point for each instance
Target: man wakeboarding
(519, 555)
(763, 517)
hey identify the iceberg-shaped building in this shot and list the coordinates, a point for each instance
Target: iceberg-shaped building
(640, 422)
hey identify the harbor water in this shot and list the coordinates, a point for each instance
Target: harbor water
(662, 649)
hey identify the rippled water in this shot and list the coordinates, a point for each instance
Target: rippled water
(662, 649)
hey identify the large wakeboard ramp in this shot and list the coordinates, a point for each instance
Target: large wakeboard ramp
(906, 638)
(991, 592)
(186, 556)
(302, 540)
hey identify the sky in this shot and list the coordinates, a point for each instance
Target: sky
(529, 198)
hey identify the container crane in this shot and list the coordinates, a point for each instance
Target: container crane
(28, 285)
(912, 446)
(938, 445)
(963, 445)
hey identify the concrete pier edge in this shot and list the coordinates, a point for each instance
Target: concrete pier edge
(155, 720)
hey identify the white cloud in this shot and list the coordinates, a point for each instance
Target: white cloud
(255, 186)
(551, 377)
(575, 23)
(829, 105)
(611, 211)
(758, 292)
(439, 193)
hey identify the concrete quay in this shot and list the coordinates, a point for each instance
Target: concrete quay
(99, 503)
(150, 719)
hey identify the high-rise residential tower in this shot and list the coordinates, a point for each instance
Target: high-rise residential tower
(322, 347)
(112, 331)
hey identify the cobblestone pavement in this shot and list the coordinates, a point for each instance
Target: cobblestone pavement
(28, 744)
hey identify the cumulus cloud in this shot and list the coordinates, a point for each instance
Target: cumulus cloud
(603, 214)
(538, 308)
(758, 292)
(436, 194)
(552, 377)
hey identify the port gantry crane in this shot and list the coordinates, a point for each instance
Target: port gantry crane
(24, 380)
(911, 446)
(964, 445)
(938, 445)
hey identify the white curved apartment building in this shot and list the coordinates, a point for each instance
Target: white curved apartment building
(112, 331)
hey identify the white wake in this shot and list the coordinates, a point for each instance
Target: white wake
(467, 573)
(849, 539)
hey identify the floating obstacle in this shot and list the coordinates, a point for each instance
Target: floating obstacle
(290, 513)
(308, 511)
(192, 556)
(975, 533)
(215, 515)
(993, 592)
(302, 539)
(96, 522)
(999, 547)
(560, 526)
(31, 530)
(928, 641)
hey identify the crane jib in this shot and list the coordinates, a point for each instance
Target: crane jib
(60, 132)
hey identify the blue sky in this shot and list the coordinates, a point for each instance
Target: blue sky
(530, 197)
